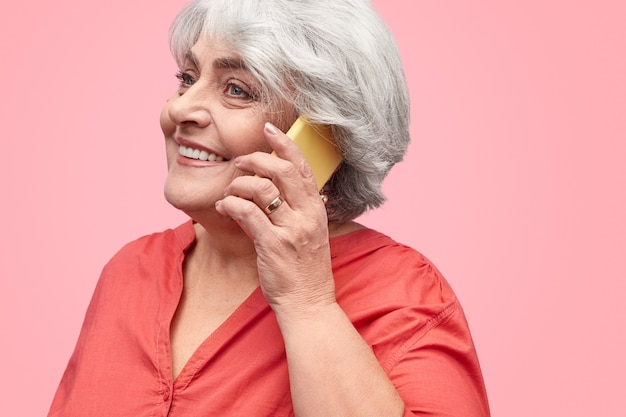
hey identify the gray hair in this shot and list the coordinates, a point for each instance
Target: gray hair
(339, 65)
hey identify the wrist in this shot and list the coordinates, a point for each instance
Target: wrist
(297, 313)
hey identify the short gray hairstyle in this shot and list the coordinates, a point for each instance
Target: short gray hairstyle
(339, 65)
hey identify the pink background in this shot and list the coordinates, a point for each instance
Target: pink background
(514, 184)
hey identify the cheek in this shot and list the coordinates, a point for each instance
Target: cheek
(283, 115)
(286, 120)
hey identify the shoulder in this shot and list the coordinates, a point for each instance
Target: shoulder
(147, 258)
(142, 266)
(369, 259)
(392, 293)
(160, 244)
(407, 312)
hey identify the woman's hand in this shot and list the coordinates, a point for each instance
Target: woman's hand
(291, 239)
(293, 258)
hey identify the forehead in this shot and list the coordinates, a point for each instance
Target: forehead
(215, 53)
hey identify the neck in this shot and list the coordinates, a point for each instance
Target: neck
(221, 257)
(338, 229)
(222, 239)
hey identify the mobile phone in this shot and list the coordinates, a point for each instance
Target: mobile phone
(318, 147)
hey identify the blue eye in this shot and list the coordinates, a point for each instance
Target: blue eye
(236, 91)
(185, 80)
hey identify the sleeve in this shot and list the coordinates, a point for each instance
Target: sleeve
(439, 374)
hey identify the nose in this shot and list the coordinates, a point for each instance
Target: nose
(190, 107)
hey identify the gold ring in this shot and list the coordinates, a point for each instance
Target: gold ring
(273, 205)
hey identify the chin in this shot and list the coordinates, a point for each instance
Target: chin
(187, 199)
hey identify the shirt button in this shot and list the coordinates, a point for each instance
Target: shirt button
(166, 395)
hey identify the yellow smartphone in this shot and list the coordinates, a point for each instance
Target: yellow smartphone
(318, 147)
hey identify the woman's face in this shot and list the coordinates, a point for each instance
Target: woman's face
(214, 117)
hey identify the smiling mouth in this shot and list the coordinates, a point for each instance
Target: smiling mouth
(200, 155)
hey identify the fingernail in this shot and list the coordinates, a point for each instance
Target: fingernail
(271, 129)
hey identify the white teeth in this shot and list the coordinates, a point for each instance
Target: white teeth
(199, 154)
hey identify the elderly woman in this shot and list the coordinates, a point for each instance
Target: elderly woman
(269, 302)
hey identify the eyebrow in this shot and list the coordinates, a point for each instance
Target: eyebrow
(229, 63)
(220, 63)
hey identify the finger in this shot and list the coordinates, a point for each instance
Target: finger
(264, 193)
(299, 191)
(284, 147)
(261, 191)
(249, 216)
(289, 171)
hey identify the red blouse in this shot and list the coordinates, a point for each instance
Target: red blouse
(396, 299)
